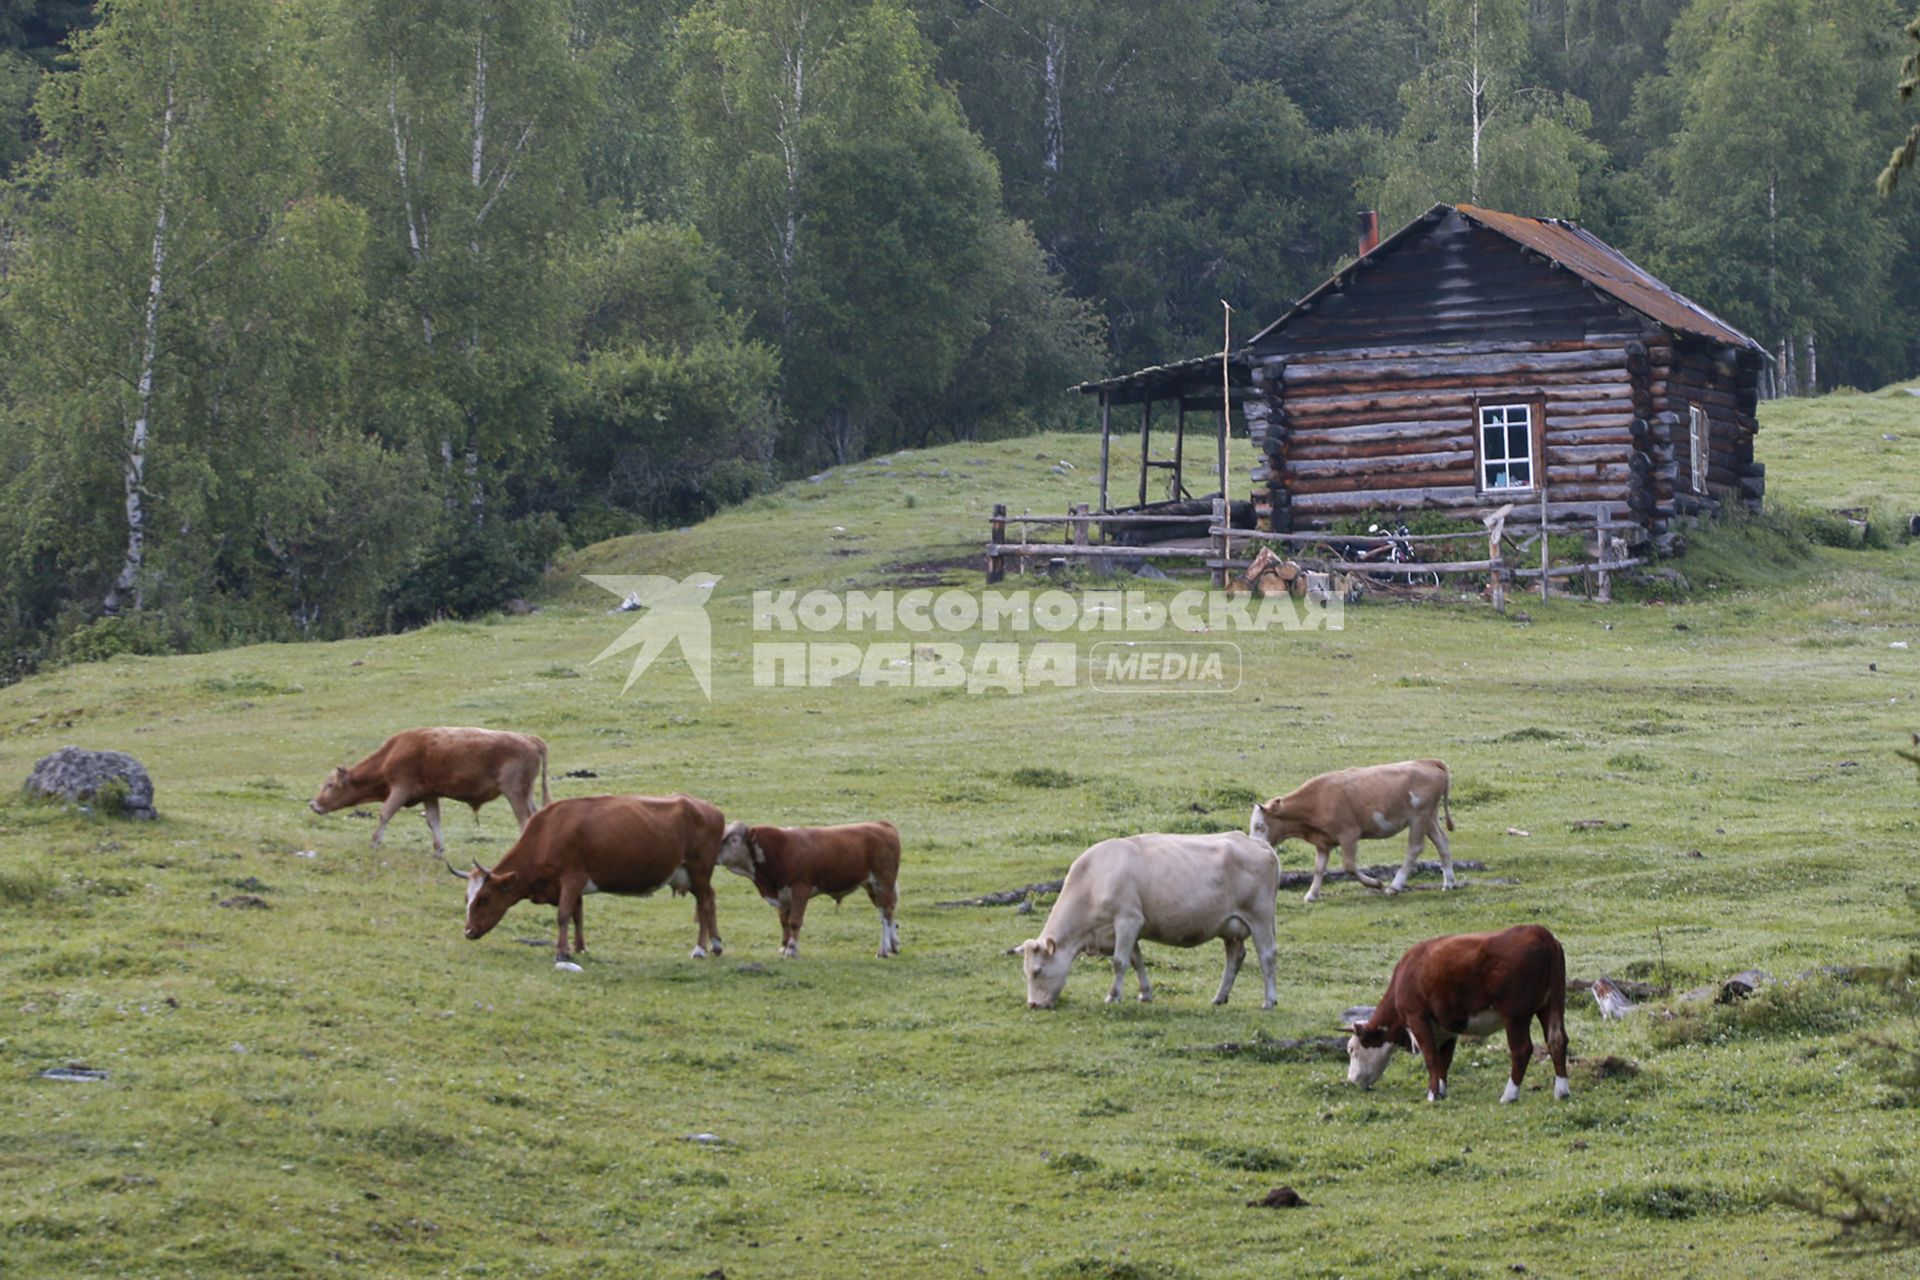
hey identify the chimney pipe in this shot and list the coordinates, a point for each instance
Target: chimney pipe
(1369, 231)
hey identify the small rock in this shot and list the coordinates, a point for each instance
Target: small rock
(706, 1139)
(1279, 1198)
(74, 1073)
(567, 966)
(358, 662)
(306, 853)
(1516, 831)
(1898, 644)
(518, 608)
(1521, 617)
(817, 479)
(1681, 626)
(1150, 572)
(1693, 853)
(76, 775)
(245, 901)
(1888, 435)
(580, 773)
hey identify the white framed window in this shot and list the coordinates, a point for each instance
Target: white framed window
(1698, 439)
(1506, 446)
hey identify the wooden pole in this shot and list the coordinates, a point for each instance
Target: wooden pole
(1106, 445)
(1222, 539)
(1226, 404)
(1146, 429)
(1179, 451)
(1541, 472)
(996, 564)
(1496, 529)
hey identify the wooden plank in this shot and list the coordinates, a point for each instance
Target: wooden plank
(1440, 460)
(1378, 371)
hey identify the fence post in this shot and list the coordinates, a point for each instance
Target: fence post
(1222, 513)
(1545, 557)
(1498, 571)
(996, 538)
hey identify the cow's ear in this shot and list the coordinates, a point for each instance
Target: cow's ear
(499, 878)
(1047, 945)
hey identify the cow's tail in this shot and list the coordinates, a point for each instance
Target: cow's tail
(545, 800)
(1556, 1019)
(1446, 794)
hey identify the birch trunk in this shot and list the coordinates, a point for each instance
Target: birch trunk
(127, 586)
(1054, 54)
(1813, 368)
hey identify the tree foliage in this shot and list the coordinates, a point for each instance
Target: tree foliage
(331, 316)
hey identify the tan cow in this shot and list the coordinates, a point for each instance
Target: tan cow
(603, 844)
(1181, 890)
(424, 766)
(788, 865)
(1368, 803)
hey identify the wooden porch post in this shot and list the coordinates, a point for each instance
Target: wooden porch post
(997, 537)
(1106, 445)
(1146, 429)
(1179, 448)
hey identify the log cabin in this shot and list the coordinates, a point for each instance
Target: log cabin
(1471, 360)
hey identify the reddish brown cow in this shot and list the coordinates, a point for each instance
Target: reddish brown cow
(603, 844)
(788, 865)
(424, 766)
(1468, 984)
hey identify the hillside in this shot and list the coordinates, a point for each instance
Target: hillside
(338, 1083)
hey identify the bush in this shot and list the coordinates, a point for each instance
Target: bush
(467, 572)
(111, 636)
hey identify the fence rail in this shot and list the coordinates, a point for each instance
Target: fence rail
(1218, 553)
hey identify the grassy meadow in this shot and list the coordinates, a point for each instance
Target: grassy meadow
(337, 1083)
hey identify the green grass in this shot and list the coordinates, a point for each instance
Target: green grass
(339, 1084)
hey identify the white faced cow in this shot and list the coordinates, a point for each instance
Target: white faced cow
(1369, 803)
(790, 865)
(1468, 984)
(1181, 890)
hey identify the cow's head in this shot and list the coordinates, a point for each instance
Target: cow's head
(1046, 967)
(335, 793)
(1368, 1052)
(1262, 826)
(489, 894)
(739, 853)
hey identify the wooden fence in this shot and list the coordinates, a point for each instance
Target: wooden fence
(1217, 550)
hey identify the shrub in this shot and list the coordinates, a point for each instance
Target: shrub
(111, 636)
(467, 572)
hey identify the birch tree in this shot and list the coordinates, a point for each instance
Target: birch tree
(462, 129)
(1475, 129)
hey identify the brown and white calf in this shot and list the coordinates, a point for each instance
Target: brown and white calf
(789, 865)
(603, 844)
(425, 766)
(1367, 803)
(1182, 890)
(1468, 984)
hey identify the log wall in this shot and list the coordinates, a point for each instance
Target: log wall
(1365, 401)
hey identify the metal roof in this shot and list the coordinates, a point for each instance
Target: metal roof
(1174, 376)
(1610, 271)
(1556, 239)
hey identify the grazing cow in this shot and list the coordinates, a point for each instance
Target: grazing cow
(1350, 805)
(423, 766)
(603, 844)
(1468, 984)
(1180, 890)
(788, 865)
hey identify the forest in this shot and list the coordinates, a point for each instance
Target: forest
(329, 317)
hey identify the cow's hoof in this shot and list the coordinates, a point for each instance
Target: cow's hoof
(1510, 1093)
(1392, 889)
(1310, 898)
(1561, 1089)
(567, 966)
(1146, 997)
(698, 953)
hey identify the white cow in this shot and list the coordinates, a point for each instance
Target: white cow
(1180, 890)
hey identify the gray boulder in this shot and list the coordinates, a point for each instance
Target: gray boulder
(80, 776)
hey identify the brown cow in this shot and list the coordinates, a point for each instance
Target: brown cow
(423, 766)
(1350, 805)
(1468, 984)
(603, 844)
(788, 865)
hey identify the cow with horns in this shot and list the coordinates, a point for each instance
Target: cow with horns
(631, 845)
